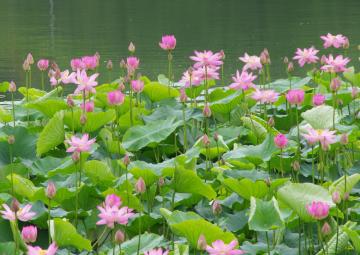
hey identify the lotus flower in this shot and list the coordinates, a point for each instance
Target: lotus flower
(318, 210)
(306, 56)
(82, 144)
(242, 81)
(251, 62)
(206, 58)
(220, 248)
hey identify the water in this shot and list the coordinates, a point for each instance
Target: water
(62, 29)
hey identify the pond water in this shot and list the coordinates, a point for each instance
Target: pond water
(62, 29)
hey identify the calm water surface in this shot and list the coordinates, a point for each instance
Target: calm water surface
(62, 29)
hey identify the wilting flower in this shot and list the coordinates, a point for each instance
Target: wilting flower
(82, 144)
(29, 234)
(132, 63)
(88, 107)
(43, 64)
(280, 141)
(137, 86)
(318, 99)
(265, 96)
(38, 251)
(206, 58)
(318, 210)
(242, 81)
(158, 251)
(220, 248)
(295, 96)
(77, 64)
(324, 136)
(335, 65)
(306, 56)
(116, 97)
(190, 78)
(335, 41)
(90, 62)
(209, 73)
(168, 42)
(251, 62)
(22, 214)
(85, 83)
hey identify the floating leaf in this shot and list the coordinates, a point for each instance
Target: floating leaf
(320, 117)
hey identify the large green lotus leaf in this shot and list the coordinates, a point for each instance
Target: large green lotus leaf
(224, 101)
(195, 91)
(95, 120)
(147, 222)
(354, 236)
(32, 93)
(254, 153)
(4, 86)
(320, 117)
(214, 150)
(111, 144)
(5, 115)
(353, 77)
(247, 188)
(138, 137)
(22, 186)
(258, 126)
(264, 215)
(298, 195)
(138, 113)
(187, 181)
(282, 85)
(98, 172)
(148, 242)
(148, 175)
(178, 216)
(157, 91)
(52, 135)
(49, 106)
(64, 234)
(181, 249)
(339, 184)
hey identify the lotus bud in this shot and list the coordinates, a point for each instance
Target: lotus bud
(326, 229)
(75, 156)
(336, 197)
(346, 196)
(222, 54)
(286, 60)
(295, 165)
(354, 92)
(346, 44)
(131, 48)
(140, 186)
(69, 101)
(123, 64)
(216, 136)
(83, 119)
(26, 66)
(11, 139)
(290, 67)
(126, 160)
(216, 207)
(30, 58)
(119, 237)
(51, 190)
(12, 87)
(344, 139)
(109, 65)
(15, 205)
(335, 84)
(271, 122)
(201, 243)
(161, 181)
(205, 140)
(29, 234)
(183, 96)
(207, 111)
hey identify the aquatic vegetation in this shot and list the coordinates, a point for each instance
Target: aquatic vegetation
(196, 164)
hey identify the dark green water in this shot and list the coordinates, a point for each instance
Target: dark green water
(62, 29)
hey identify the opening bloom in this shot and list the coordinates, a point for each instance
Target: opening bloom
(265, 96)
(43, 64)
(295, 96)
(116, 97)
(251, 62)
(155, 251)
(280, 141)
(220, 248)
(318, 99)
(38, 251)
(318, 210)
(90, 62)
(132, 63)
(168, 42)
(82, 144)
(206, 58)
(242, 81)
(22, 214)
(335, 41)
(335, 65)
(77, 64)
(85, 83)
(29, 234)
(306, 56)
(137, 86)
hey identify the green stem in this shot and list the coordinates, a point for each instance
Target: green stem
(169, 71)
(299, 235)
(267, 241)
(42, 80)
(185, 134)
(320, 237)
(298, 130)
(139, 239)
(312, 164)
(13, 107)
(12, 170)
(49, 217)
(337, 230)
(131, 108)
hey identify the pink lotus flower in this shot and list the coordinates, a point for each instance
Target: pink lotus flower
(29, 234)
(89, 106)
(85, 83)
(190, 78)
(43, 64)
(209, 73)
(325, 137)
(265, 96)
(116, 97)
(112, 200)
(65, 77)
(109, 215)
(242, 81)
(206, 58)
(132, 63)
(306, 56)
(335, 41)
(137, 86)
(280, 141)
(168, 42)
(78, 145)
(295, 96)
(90, 62)
(220, 248)
(318, 99)
(77, 64)
(158, 251)
(335, 65)
(23, 214)
(38, 251)
(251, 62)
(318, 210)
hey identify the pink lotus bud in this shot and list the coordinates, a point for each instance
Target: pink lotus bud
(140, 186)
(119, 237)
(116, 97)
(295, 165)
(318, 210)
(354, 92)
(29, 234)
(122, 64)
(15, 205)
(183, 96)
(126, 159)
(318, 99)
(216, 136)
(336, 197)
(43, 64)
(26, 66)
(280, 141)
(344, 139)
(264, 57)
(51, 190)
(295, 96)
(216, 207)
(161, 181)
(137, 86)
(11, 139)
(222, 54)
(207, 111)
(112, 200)
(75, 156)
(168, 42)
(12, 87)
(335, 84)
(346, 196)
(89, 106)
(326, 229)
(205, 140)
(346, 43)
(109, 65)
(131, 47)
(201, 243)
(290, 67)
(83, 119)
(30, 59)
(286, 60)
(70, 102)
